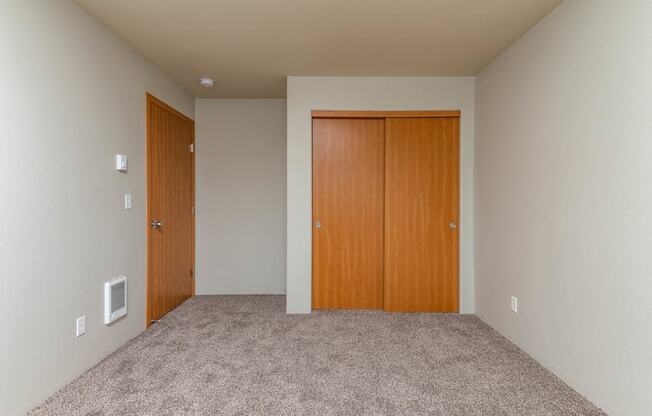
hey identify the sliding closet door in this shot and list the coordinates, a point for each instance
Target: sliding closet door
(347, 232)
(421, 211)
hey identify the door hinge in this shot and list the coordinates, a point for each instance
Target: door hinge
(192, 272)
(192, 210)
(192, 148)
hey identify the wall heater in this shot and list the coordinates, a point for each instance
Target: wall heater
(115, 299)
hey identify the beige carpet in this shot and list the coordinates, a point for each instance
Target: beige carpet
(242, 355)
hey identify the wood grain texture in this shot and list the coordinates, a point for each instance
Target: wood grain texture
(348, 171)
(421, 199)
(383, 114)
(170, 198)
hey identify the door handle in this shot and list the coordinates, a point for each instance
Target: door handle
(452, 225)
(318, 225)
(156, 224)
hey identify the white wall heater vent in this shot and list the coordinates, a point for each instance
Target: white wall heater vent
(115, 299)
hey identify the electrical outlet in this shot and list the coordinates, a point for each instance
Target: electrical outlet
(514, 304)
(81, 325)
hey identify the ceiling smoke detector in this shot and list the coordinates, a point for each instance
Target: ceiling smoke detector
(206, 82)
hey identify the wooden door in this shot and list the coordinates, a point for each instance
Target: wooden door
(347, 244)
(170, 201)
(421, 211)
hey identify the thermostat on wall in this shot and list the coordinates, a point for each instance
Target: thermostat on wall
(121, 163)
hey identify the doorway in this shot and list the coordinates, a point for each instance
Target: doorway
(170, 208)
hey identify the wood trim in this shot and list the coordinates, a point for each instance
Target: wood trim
(383, 114)
(150, 101)
(194, 207)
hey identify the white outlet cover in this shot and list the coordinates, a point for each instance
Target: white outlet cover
(81, 325)
(128, 199)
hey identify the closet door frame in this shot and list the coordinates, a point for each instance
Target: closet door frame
(384, 114)
(400, 114)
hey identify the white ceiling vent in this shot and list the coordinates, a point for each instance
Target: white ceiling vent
(115, 299)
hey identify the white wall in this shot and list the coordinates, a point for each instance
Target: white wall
(72, 95)
(240, 176)
(367, 93)
(564, 198)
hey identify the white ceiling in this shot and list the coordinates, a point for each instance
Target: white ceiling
(250, 46)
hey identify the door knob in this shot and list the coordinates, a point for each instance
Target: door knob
(452, 225)
(318, 225)
(156, 224)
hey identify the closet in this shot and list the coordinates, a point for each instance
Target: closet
(385, 210)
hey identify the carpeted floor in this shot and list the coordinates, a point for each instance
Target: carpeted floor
(242, 355)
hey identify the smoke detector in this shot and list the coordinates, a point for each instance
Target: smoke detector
(206, 82)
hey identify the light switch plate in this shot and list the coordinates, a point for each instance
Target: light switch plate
(81, 325)
(514, 304)
(128, 204)
(121, 163)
